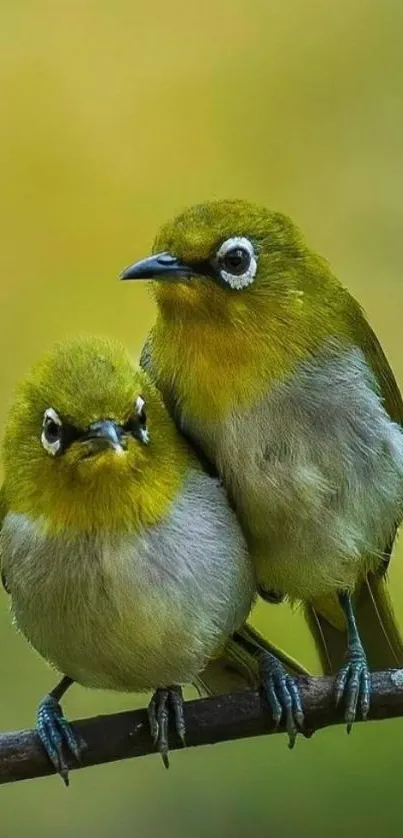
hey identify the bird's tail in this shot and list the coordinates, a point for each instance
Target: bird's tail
(377, 623)
(237, 669)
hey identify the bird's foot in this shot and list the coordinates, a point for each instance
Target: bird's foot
(282, 693)
(163, 702)
(354, 683)
(56, 735)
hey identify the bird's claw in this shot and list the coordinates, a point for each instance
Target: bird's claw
(354, 682)
(56, 734)
(163, 702)
(283, 696)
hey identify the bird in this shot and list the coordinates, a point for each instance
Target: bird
(126, 566)
(270, 366)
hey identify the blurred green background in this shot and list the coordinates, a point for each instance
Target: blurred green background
(113, 116)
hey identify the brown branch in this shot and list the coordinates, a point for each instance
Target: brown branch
(208, 721)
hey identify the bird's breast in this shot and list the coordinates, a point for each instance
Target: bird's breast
(139, 611)
(315, 469)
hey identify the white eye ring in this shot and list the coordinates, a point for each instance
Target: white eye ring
(145, 436)
(52, 446)
(139, 405)
(237, 281)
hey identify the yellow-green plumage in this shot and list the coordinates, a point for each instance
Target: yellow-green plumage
(126, 567)
(283, 384)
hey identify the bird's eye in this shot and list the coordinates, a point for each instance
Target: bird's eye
(140, 411)
(52, 431)
(236, 262)
(137, 422)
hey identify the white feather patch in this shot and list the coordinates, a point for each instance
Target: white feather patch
(242, 280)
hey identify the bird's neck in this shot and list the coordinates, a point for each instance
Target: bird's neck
(112, 504)
(214, 367)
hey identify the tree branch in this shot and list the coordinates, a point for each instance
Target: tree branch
(208, 721)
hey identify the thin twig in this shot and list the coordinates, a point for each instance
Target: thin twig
(237, 716)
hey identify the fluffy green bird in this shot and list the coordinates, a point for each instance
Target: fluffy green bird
(126, 566)
(268, 363)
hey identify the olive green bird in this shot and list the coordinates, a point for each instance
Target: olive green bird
(126, 566)
(270, 366)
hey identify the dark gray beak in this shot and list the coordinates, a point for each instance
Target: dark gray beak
(103, 435)
(160, 266)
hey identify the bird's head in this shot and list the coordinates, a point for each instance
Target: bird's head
(88, 443)
(228, 257)
(242, 300)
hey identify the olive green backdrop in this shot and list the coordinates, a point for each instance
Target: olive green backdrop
(113, 116)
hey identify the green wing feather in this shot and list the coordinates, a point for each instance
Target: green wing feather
(3, 505)
(377, 622)
(237, 668)
(3, 513)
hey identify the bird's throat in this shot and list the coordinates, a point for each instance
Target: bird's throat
(214, 369)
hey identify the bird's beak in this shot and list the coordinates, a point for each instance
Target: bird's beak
(104, 435)
(160, 266)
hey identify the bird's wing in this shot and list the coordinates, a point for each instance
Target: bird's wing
(147, 365)
(236, 669)
(377, 361)
(377, 622)
(378, 625)
(146, 356)
(3, 505)
(3, 513)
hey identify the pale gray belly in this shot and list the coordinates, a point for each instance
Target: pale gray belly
(316, 473)
(133, 613)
